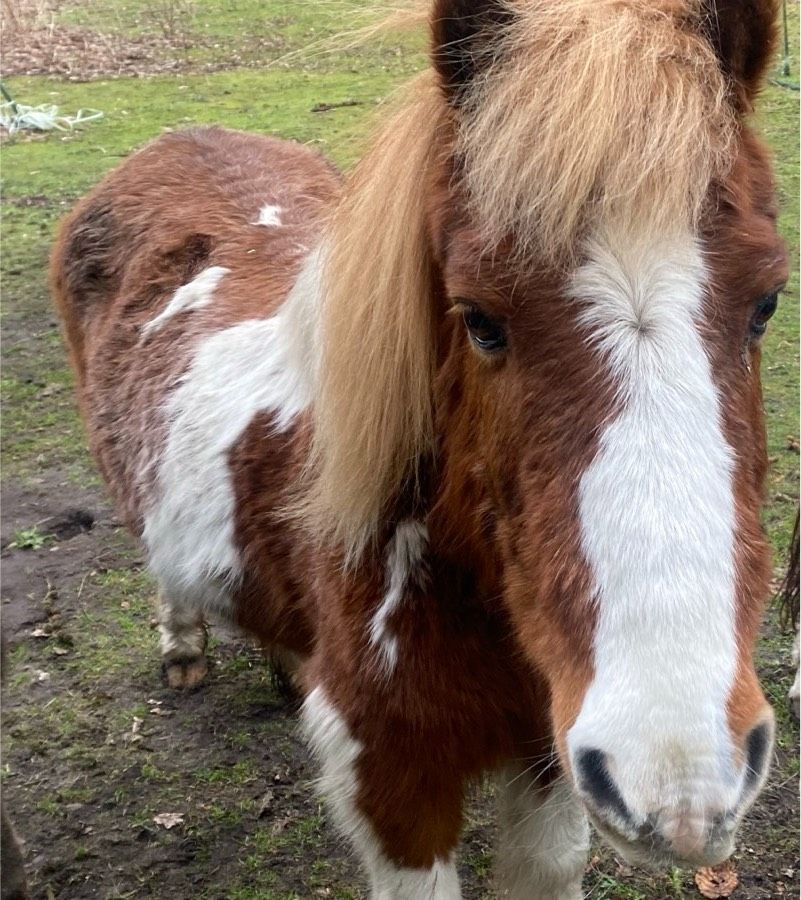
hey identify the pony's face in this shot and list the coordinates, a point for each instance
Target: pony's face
(605, 406)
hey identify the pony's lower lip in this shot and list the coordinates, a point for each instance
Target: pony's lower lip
(655, 853)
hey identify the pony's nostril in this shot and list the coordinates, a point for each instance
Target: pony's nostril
(596, 781)
(757, 746)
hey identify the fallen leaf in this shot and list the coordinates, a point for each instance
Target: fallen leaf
(169, 820)
(39, 632)
(793, 444)
(717, 881)
(622, 870)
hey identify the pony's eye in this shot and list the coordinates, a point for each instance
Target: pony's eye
(486, 334)
(762, 312)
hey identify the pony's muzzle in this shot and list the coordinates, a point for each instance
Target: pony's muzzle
(696, 830)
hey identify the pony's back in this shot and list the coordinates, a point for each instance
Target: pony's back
(165, 213)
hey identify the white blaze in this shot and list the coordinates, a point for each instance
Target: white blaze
(543, 837)
(657, 523)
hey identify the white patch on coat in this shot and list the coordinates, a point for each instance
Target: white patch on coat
(543, 839)
(405, 552)
(269, 215)
(194, 295)
(337, 752)
(254, 366)
(657, 520)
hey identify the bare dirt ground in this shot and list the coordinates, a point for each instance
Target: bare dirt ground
(83, 54)
(160, 40)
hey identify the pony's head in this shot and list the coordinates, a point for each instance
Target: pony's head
(551, 277)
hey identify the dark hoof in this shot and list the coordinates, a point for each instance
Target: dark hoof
(182, 674)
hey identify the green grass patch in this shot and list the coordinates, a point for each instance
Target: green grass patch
(29, 539)
(244, 772)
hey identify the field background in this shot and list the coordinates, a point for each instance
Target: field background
(94, 746)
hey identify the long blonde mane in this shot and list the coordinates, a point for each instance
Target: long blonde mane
(372, 416)
(583, 108)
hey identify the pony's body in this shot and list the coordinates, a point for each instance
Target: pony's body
(198, 414)
(186, 476)
(521, 539)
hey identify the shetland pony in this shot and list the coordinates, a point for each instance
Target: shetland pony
(475, 436)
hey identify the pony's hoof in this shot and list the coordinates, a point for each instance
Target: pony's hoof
(183, 673)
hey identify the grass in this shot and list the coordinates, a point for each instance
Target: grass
(778, 122)
(84, 727)
(29, 539)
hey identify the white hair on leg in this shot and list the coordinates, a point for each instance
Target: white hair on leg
(544, 838)
(182, 641)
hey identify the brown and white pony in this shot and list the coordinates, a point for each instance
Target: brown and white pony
(476, 436)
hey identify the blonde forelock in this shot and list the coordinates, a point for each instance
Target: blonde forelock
(591, 108)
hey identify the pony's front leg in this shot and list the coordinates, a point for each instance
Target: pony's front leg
(402, 817)
(182, 640)
(544, 838)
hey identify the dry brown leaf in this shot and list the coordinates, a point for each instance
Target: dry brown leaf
(717, 881)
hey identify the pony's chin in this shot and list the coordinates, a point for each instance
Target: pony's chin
(652, 856)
